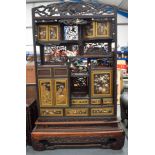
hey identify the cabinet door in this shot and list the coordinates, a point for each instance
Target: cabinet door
(45, 93)
(61, 92)
(43, 32)
(101, 83)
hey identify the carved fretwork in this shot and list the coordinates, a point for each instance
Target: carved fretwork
(106, 142)
(73, 21)
(73, 9)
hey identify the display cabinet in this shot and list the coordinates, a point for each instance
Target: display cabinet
(76, 76)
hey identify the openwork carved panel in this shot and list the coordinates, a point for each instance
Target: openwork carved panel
(73, 9)
(78, 139)
(71, 32)
(102, 62)
(96, 48)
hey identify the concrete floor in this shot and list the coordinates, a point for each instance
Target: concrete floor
(90, 151)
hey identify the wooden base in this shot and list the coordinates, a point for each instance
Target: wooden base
(52, 135)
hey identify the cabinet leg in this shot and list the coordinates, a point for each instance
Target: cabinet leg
(38, 146)
(119, 143)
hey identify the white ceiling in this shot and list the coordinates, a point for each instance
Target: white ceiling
(121, 4)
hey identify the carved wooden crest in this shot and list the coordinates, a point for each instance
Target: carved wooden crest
(73, 9)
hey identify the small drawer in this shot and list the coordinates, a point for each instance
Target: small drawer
(107, 101)
(95, 101)
(60, 72)
(102, 111)
(51, 112)
(81, 101)
(76, 112)
(44, 72)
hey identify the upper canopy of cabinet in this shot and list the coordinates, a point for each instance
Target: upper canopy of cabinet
(72, 10)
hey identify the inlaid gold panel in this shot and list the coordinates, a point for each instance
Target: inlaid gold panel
(107, 101)
(102, 111)
(80, 101)
(53, 32)
(43, 32)
(89, 30)
(51, 112)
(61, 92)
(45, 93)
(76, 112)
(101, 83)
(95, 101)
(102, 29)
(97, 29)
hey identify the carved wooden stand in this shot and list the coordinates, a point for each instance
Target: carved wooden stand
(52, 135)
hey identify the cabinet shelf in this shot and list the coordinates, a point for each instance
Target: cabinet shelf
(89, 40)
(61, 42)
(79, 97)
(64, 42)
(79, 74)
(91, 105)
(91, 56)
